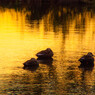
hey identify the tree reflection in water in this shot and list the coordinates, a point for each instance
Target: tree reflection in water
(69, 30)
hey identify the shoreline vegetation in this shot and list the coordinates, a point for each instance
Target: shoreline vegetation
(44, 4)
(39, 8)
(10, 3)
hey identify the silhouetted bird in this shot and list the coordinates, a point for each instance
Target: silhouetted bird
(31, 63)
(48, 53)
(87, 60)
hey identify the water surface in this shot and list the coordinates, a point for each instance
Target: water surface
(68, 31)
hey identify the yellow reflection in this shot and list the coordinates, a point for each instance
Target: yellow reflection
(19, 42)
(80, 39)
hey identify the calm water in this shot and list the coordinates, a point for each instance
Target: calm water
(69, 32)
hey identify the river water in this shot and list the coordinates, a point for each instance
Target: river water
(68, 31)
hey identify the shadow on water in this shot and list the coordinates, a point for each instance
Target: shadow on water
(31, 68)
(86, 78)
(45, 61)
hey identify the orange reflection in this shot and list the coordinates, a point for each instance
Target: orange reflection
(20, 40)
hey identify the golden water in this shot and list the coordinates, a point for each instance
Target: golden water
(69, 37)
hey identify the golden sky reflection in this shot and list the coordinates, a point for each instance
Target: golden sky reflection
(19, 41)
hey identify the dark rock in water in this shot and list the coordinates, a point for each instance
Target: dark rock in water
(31, 63)
(87, 60)
(48, 53)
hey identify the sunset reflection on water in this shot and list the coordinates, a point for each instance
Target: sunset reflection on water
(69, 35)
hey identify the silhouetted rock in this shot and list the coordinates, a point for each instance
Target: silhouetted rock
(31, 63)
(44, 54)
(87, 60)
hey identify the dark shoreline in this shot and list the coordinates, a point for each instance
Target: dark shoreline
(30, 3)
